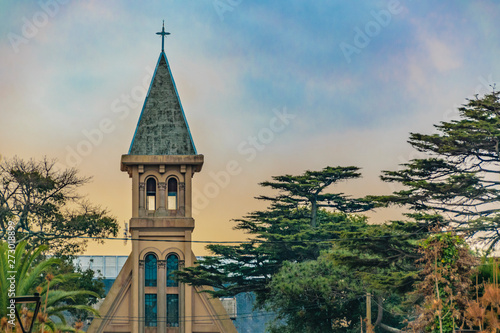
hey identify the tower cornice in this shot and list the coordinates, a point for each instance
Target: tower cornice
(128, 161)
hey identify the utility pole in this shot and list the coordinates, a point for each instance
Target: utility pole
(369, 312)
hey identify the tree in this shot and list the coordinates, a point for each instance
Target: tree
(315, 296)
(447, 271)
(44, 206)
(381, 259)
(31, 276)
(308, 190)
(459, 178)
(328, 294)
(293, 229)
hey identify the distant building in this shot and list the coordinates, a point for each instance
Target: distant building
(161, 162)
(106, 267)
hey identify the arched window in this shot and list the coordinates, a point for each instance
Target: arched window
(172, 265)
(151, 194)
(150, 270)
(172, 194)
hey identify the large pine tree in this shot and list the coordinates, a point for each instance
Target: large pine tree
(292, 229)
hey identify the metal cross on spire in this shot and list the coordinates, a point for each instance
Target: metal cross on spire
(163, 34)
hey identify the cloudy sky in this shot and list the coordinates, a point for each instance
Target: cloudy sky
(268, 88)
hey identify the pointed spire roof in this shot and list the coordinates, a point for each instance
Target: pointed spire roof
(162, 128)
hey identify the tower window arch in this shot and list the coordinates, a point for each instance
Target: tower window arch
(150, 270)
(151, 194)
(172, 265)
(172, 193)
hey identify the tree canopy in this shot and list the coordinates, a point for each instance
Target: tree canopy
(315, 296)
(307, 190)
(45, 206)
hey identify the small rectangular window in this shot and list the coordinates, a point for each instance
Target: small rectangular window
(172, 202)
(172, 310)
(151, 202)
(150, 310)
(110, 263)
(97, 264)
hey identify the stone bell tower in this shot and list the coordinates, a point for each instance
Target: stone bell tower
(161, 162)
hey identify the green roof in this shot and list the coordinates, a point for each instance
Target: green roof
(162, 128)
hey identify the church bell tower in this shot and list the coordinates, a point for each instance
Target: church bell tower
(161, 162)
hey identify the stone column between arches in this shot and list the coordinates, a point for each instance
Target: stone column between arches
(162, 189)
(142, 199)
(162, 298)
(182, 201)
(142, 303)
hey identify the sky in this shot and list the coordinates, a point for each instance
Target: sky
(268, 88)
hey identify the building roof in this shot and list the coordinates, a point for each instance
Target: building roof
(162, 128)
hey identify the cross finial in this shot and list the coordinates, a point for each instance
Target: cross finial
(163, 34)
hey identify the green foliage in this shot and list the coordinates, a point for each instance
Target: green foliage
(459, 178)
(45, 208)
(450, 246)
(447, 322)
(308, 190)
(488, 271)
(31, 276)
(82, 280)
(381, 256)
(314, 296)
(328, 294)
